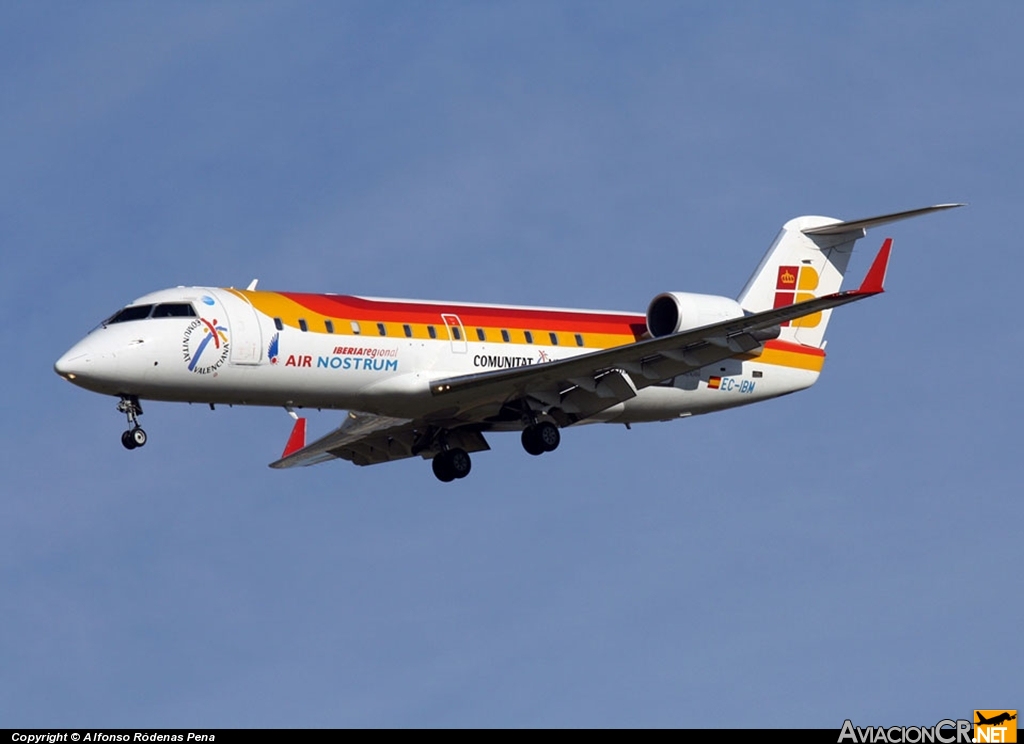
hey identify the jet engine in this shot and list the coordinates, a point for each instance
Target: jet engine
(672, 312)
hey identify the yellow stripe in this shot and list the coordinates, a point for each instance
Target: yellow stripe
(794, 359)
(290, 312)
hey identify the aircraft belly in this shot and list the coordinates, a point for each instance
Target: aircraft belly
(705, 392)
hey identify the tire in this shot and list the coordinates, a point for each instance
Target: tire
(459, 462)
(127, 441)
(547, 436)
(138, 436)
(531, 442)
(442, 468)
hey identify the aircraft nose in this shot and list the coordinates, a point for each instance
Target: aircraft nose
(72, 364)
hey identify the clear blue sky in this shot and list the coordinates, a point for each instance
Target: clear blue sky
(852, 551)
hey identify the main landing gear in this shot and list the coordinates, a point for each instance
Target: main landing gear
(135, 436)
(540, 438)
(450, 464)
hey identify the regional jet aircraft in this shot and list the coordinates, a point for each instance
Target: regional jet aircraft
(433, 378)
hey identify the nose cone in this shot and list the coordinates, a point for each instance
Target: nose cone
(73, 364)
(88, 364)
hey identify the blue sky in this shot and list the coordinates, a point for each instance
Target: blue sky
(849, 552)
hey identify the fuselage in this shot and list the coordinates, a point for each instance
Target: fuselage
(247, 347)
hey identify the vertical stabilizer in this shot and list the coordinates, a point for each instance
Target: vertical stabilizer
(800, 267)
(808, 259)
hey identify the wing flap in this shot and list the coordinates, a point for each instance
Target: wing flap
(358, 426)
(369, 439)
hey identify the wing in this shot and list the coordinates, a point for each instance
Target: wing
(583, 385)
(570, 389)
(369, 439)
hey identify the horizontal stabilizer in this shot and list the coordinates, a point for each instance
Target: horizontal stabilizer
(838, 228)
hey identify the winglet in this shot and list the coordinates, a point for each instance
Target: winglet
(297, 440)
(875, 278)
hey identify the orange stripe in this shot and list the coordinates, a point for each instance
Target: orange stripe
(789, 354)
(598, 330)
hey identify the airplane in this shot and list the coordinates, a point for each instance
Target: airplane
(430, 379)
(995, 720)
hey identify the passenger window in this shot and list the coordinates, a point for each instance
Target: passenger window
(431, 331)
(329, 326)
(278, 324)
(174, 310)
(456, 333)
(302, 325)
(529, 337)
(504, 336)
(554, 338)
(131, 313)
(480, 334)
(407, 330)
(579, 339)
(381, 329)
(355, 327)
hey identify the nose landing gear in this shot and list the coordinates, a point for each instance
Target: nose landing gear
(135, 436)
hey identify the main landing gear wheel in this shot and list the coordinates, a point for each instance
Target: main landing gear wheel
(541, 438)
(451, 464)
(135, 436)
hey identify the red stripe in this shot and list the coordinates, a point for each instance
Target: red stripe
(357, 308)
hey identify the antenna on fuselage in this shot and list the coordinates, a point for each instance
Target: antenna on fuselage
(252, 285)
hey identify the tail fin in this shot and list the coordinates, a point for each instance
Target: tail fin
(808, 259)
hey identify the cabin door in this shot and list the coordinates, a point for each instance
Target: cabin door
(456, 333)
(245, 341)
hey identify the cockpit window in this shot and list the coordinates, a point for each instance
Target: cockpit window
(174, 310)
(136, 312)
(163, 310)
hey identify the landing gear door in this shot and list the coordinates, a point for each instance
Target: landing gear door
(245, 339)
(456, 333)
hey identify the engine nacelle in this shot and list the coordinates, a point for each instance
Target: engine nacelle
(672, 312)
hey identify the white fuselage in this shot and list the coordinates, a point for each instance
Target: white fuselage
(232, 353)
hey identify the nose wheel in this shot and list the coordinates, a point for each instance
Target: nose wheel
(135, 436)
